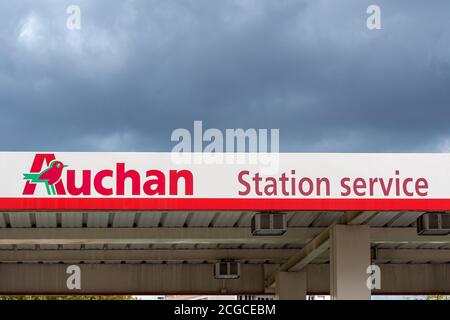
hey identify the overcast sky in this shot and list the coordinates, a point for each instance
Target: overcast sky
(139, 69)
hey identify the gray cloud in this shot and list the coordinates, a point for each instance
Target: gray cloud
(139, 69)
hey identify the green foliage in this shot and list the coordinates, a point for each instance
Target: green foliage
(67, 298)
(438, 297)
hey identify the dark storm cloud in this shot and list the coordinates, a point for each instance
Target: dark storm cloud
(139, 69)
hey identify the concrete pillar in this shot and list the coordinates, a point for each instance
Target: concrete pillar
(290, 286)
(349, 259)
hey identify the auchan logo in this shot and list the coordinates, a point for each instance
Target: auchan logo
(49, 173)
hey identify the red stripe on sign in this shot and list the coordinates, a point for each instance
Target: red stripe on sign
(124, 204)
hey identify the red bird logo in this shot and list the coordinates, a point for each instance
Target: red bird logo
(49, 176)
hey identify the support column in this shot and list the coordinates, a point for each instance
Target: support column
(349, 259)
(290, 286)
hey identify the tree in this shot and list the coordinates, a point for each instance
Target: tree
(438, 297)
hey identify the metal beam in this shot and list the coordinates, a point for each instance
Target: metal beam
(412, 255)
(140, 279)
(9, 236)
(360, 218)
(201, 255)
(396, 279)
(318, 245)
(304, 256)
(404, 235)
(139, 256)
(15, 236)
